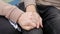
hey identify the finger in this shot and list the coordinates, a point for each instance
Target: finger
(32, 24)
(41, 23)
(28, 27)
(36, 21)
(38, 24)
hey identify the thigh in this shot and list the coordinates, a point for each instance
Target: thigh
(51, 21)
(33, 31)
(6, 27)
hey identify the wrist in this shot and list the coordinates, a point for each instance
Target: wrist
(31, 8)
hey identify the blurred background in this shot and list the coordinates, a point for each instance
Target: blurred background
(13, 2)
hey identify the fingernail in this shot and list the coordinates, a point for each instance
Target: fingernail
(37, 26)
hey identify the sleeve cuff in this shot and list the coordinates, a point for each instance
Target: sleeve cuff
(15, 25)
(15, 14)
(29, 2)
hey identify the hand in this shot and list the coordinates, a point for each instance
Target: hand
(25, 21)
(32, 8)
(37, 19)
(30, 20)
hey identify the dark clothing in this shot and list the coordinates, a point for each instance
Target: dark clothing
(51, 20)
(6, 27)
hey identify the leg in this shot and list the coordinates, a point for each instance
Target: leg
(51, 20)
(6, 27)
(34, 31)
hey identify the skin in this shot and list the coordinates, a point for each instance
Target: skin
(30, 19)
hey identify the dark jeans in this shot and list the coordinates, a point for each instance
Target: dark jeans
(51, 20)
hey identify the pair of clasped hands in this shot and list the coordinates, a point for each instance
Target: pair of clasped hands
(31, 19)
